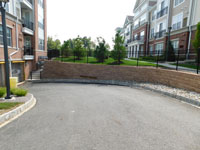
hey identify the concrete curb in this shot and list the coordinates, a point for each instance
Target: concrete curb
(19, 111)
(119, 83)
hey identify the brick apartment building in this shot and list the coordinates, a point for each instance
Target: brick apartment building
(26, 36)
(152, 19)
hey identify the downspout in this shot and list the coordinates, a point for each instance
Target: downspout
(190, 26)
(148, 28)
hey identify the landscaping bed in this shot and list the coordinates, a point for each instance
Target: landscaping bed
(8, 106)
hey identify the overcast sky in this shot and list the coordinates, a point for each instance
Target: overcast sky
(92, 18)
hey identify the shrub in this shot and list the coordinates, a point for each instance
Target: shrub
(19, 92)
(2, 92)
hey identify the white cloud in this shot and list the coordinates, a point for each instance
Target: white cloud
(92, 18)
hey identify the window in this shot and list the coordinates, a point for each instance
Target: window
(178, 2)
(152, 33)
(9, 36)
(40, 2)
(135, 36)
(177, 21)
(143, 18)
(142, 35)
(175, 45)
(159, 48)
(162, 5)
(136, 23)
(151, 50)
(153, 15)
(41, 44)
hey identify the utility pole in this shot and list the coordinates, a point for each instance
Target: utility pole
(3, 15)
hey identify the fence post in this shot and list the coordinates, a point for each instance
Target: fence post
(177, 63)
(87, 56)
(198, 61)
(74, 58)
(158, 54)
(138, 53)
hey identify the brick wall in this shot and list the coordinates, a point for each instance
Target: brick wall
(178, 79)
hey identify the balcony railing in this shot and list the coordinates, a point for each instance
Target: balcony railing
(162, 12)
(160, 34)
(28, 24)
(28, 50)
(139, 38)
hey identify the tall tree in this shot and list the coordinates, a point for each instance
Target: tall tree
(66, 49)
(101, 52)
(79, 50)
(50, 43)
(53, 45)
(196, 42)
(119, 52)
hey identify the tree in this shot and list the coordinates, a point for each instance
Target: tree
(79, 49)
(196, 41)
(101, 51)
(171, 53)
(50, 43)
(53, 45)
(66, 49)
(119, 52)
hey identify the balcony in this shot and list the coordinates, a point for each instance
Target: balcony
(163, 12)
(160, 34)
(27, 4)
(28, 53)
(27, 27)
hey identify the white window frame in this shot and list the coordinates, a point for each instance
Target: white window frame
(179, 3)
(9, 36)
(175, 21)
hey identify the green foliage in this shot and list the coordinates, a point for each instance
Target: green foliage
(2, 92)
(101, 52)
(196, 41)
(78, 48)
(66, 49)
(19, 92)
(119, 52)
(53, 44)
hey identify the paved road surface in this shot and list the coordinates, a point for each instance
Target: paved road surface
(96, 117)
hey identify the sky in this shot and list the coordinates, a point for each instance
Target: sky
(92, 18)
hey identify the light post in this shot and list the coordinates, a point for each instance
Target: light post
(3, 15)
(168, 42)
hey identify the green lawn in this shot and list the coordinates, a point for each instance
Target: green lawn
(8, 105)
(187, 65)
(109, 61)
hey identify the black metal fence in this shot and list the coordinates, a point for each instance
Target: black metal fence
(179, 59)
(53, 54)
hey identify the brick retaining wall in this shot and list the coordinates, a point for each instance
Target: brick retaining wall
(177, 79)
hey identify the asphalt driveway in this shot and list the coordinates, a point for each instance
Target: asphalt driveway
(97, 117)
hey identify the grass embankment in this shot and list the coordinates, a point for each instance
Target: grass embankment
(9, 105)
(110, 61)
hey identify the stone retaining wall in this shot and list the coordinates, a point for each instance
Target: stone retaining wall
(177, 79)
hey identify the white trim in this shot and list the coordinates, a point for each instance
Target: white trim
(7, 26)
(179, 3)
